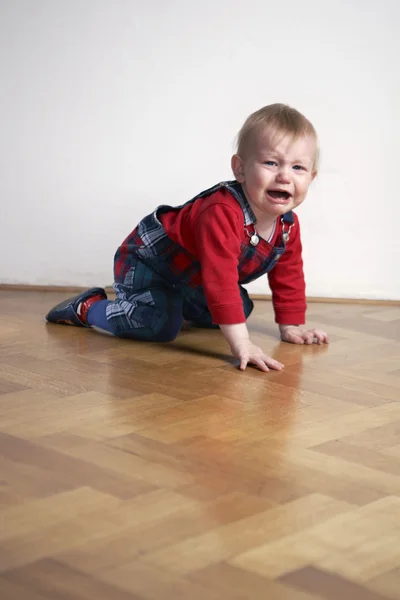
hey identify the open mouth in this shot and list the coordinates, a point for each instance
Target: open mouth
(279, 195)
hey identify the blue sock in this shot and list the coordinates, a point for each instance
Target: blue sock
(96, 316)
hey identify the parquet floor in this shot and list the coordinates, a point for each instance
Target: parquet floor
(133, 471)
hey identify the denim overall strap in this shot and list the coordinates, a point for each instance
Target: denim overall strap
(235, 188)
(288, 218)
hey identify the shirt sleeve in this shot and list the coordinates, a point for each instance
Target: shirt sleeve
(287, 282)
(218, 242)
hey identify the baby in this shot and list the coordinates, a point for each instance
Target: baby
(190, 262)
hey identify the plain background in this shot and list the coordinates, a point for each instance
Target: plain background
(111, 107)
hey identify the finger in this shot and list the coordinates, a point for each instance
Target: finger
(320, 336)
(243, 363)
(325, 337)
(272, 363)
(294, 339)
(308, 337)
(260, 364)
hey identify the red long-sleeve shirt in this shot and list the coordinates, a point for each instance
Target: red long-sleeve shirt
(212, 229)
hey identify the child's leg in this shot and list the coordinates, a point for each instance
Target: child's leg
(97, 317)
(152, 314)
(196, 310)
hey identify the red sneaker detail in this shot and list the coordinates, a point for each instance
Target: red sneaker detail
(84, 306)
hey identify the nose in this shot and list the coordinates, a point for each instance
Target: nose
(283, 175)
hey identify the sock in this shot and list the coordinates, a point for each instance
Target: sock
(83, 308)
(96, 315)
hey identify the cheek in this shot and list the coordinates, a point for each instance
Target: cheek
(259, 177)
(302, 188)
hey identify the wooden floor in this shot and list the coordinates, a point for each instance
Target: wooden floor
(133, 471)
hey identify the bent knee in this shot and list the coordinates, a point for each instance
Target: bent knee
(166, 329)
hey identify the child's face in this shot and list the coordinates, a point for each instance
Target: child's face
(276, 173)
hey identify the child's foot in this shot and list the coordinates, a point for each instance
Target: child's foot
(74, 310)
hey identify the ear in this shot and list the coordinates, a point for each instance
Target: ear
(237, 168)
(313, 175)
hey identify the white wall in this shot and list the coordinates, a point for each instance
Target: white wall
(110, 107)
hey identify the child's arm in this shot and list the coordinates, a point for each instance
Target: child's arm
(237, 336)
(218, 239)
(287, 284)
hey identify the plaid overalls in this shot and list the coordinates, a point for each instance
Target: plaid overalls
(158, 283)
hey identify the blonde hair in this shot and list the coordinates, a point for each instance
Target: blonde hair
(281, 119)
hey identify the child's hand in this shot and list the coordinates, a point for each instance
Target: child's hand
(297, 335)
(247, 352)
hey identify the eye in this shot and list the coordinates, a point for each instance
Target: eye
(270, 163)
(299, 168)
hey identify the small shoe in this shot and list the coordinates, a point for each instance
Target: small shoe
(66, 312)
